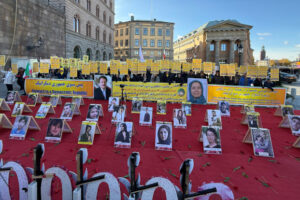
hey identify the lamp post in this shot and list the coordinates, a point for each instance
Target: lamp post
(240, 51)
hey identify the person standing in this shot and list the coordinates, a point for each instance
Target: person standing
(9, 79)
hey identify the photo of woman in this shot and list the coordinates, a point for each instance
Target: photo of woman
(20, 126)
(55, 128)
(94, 112)
(123, 134)
(119, 114)
(10, 97)
(163, 139)
(85, 134)
(261, 141)
(179, 118)
(31, 100)
(197, 90)
(187, 108)
(211, 140)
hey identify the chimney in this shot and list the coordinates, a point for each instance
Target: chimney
(132, 18)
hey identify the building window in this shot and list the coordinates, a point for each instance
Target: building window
(167, 53)
(211, 47)
(77, 1)
(137, 42)
(105, 1)
(235, 47)
(159, 43)
(88, 29)
(152, 31)
(126, 31)
(144, 42)
(116, 44)
(121, 32)
(104, 36)
(145, 32)
(160, 32)
(137, 31)
(110, 5)
(126, 43)
(97, 11)
(126, 53)
(168, 32)
(159, 53)
(223, 47)
(152, 53)
(121, 43)
(117, 33)
(152, 43)
(104, 17)
(88, 5)
(136, 52)
(76, 24)
(167, 43)
(110, 39)
(109, 21)
(144, 52)
(97, 33)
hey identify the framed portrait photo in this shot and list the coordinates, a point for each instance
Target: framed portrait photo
(10, 97)
(77, 100)
(54, 100)
(20, 127)
(32, 99)
(42, 111)
(161, 108)
(197, 90)
(287, 110)
(123, 135)
(294, 121)
(119, 114)
(113, 102)
(18, 109)
(94, 112)
(68, 111)
(179, 118)
(187, 107)
(136, 105)
(211, 140)
(214, 118)
(163, 136)
(54, 130)
(87, 132)
(146, 115)
(261, 141)
(224, 108)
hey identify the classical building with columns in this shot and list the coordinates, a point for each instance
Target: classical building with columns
(225, 41)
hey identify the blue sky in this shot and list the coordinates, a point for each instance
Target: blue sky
(276, 23)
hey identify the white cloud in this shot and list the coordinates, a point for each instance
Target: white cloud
(261, 38)
(264, 34)
(297, 45)
(285, 42)
(179, 36)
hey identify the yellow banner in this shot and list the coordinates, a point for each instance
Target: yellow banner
(242, 70)
(176, 67)
(113, 69)
(86, 58)
(142, 67)
(94, 67)
(2, 60)
(68, 88)
(66, 63)
(86, 70)
(197, 65)
(14, 68)
(55, 62)
(208, 67)
(73, 72)
(151, 91)
(134, 67)
(262, 72)
(103, 68)
(246, 95)
(154, 67)
(252, 71)
(124, 69)
(164, 65)
(186, 67)
(274, 74)
(35, 67)
(44, 68)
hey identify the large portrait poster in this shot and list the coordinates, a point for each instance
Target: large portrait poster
(197, 90)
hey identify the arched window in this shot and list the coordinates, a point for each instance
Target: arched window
(104, 55)
(88, 29)
(104, 36)
(97, 55)
(104, 17)
(110, 56)
(109, 38)
(89, 53)
(88, 5)
(97, 11)
(76, 24)
(109, 21)
(77, 52)
(97, 33)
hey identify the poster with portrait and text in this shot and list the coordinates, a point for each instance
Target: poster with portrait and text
(197, 90)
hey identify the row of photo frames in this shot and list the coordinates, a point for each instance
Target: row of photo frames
(95, 111)
(213, 117)
(21, 125)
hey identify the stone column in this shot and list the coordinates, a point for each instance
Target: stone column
(207, 50)
(231, 54)
(243, 54)
(217, 52)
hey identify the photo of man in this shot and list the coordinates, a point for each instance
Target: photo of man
(112, 103)
(77, 100)
(295, 124)
(31, 100)
(123, 134)
(18, 109)
(101, 91)
(20, 126)
(55, 129)
(253, 121)
(211, 140)
(136, 105)
(146, 115)
(224, 108)
(119, 114)
(261, 141)
(214, 118)
(161, 107)
(87, 132)
(163, 136)
(43, 110)
(68, 111)
(54, 100)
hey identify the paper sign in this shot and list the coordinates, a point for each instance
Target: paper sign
(44, 68)
(14, 68)
(35, 68)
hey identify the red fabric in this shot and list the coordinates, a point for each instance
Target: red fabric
(282, 173)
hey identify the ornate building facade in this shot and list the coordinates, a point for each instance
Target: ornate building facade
(225, 41)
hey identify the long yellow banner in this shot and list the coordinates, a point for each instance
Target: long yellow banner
(246, 95)
(151, 91)
(84, 88)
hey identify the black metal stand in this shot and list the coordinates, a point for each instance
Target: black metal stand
(37, 172)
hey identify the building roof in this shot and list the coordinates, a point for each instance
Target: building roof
(208, 25)
(144, 21)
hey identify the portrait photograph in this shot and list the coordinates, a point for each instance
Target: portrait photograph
(87, 133)
(94, 112)
(31, 99)
(119, 114)
(261, 141)
(146, 115)
(68, 111)
(249, 108)
(20, 126)
(211, 140)
(123, 134)
(18, 109)
(10, 97)
(161, 107)
(253, 121)
(179, 118)
(214, 118)
(224, 108)
(163, 136)
(102, 87)
(187, 107)
(54, 100)
(287, 111)
(294, 121)
(77, 100)
(197, 90)
(42, 111)
(55, 129)
(112, 103)
(136, 105)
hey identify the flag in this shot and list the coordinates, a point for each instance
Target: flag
(28, 71)
(164, 55)
(141, 55)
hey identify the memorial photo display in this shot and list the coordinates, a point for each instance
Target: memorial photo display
(163, 136)
(42, 111)
(261, 141)
(211, 140)
(54, 130)
(179, 118)
(161, 108)
(294, 121)
(32, 99)
(224, 108)
(123, 135)
(94, 112)
(10, 97)
(68, 111)
(20, 127)
(113, 102)
(187, 107)
(146, 115)
(18, 109)
(136, 105)
(119, 114)
(87, 132)
(214, 118)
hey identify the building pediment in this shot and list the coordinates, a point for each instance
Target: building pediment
(227, 25)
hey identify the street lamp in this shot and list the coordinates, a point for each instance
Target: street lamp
(240, 51)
